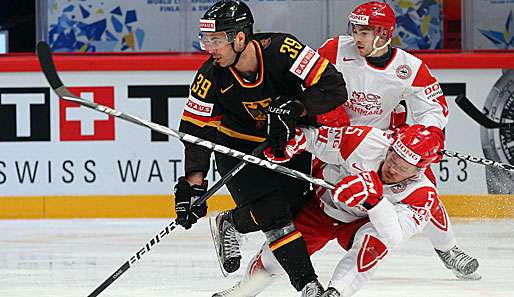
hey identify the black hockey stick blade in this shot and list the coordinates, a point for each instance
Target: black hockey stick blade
(467, 106)
(44, 55)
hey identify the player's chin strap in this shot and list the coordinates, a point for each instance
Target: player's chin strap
(238, 54)
(375, 48)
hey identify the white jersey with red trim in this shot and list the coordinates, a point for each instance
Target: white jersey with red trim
(374, 92)
(350, 150)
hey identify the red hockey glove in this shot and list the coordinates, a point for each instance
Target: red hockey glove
(337, 117)
(293, 146)
(363, 189)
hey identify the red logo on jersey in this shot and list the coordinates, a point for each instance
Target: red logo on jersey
(365, 103)
(198, 107)
(434, 93)
(399, 187)
(403, 71)
(371, 251)
(434, 90)
(305, 61)
(80, 124)
(354, 166)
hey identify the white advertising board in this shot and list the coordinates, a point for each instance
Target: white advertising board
(51, 148)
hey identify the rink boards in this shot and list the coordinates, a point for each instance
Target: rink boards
(160, 206)
(62, 161)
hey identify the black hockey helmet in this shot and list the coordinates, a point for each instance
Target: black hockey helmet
(230, 16)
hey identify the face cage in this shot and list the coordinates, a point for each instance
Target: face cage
(213, 43)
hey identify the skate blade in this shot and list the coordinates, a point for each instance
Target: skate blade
(214, 235)
(468, 277)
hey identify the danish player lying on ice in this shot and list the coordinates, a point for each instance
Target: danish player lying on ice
(381, 199)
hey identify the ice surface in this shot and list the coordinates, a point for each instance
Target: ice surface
(72, 257)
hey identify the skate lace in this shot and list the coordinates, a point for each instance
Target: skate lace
(331, 292)
(461, 261)
(312, 289)
(231, 243)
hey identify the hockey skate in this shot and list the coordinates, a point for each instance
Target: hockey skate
(331, 292)
(234, 291)
(462, 265)
(313, 289)
(226, 242)
(247, 287)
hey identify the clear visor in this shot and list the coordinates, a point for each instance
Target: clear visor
(355, 28)
(214, 40)
(400, 163)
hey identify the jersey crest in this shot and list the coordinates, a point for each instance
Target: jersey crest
(365, 103)
(404, 71)
(257, 109)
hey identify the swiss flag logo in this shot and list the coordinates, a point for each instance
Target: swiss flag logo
(78, 123)
(372, 250)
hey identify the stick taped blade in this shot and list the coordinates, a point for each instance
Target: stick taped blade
(44, 55)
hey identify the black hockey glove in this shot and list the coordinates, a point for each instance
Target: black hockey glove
(283, 112)
(185, 195)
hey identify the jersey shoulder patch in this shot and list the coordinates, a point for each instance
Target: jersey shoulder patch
(353, 136)
(299, 59)
(203, 90)
(329, 49)
(420, 195)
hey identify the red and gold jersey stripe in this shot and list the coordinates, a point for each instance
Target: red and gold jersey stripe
(216, 123)
(261, 69)
(201, 121)
(316, 72)
(285, 240)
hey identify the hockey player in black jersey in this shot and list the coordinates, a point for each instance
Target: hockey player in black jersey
(254, 88)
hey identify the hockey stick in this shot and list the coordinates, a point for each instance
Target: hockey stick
(157, 238)
(478, 160)
(48, 67)
(465, 104)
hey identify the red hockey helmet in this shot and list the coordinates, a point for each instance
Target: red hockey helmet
(377, 15)
(417, 146)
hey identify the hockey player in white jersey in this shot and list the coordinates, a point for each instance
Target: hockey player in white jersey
(383, 82)
(381, 199)
(381, 79)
